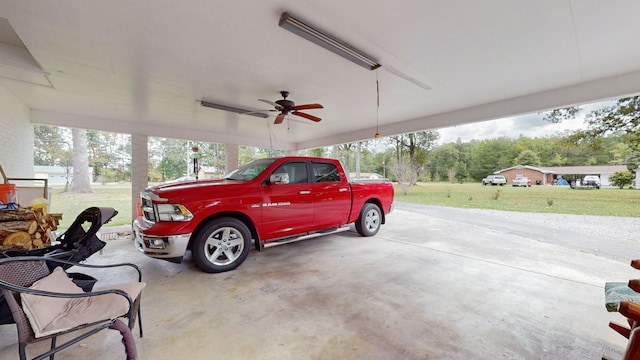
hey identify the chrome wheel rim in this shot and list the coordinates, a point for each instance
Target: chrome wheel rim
(224, 246)
(372, 220)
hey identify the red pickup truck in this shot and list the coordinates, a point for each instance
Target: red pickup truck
(269, 200)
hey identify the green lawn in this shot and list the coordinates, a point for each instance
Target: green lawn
(547, 199)
(544, 199)
(70, 205)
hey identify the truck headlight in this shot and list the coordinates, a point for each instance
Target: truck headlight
(173, 212)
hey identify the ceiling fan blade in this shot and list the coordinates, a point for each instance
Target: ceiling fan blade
(277, 106)
(307, 107)
(307, 116)
(279, 119)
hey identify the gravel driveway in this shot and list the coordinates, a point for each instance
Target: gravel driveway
(616, 238)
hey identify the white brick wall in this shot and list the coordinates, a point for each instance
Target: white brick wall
(16, 136)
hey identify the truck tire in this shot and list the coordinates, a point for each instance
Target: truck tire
(370, 220)
(221, 245)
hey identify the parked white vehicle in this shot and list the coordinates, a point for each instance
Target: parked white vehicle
(589, 181)
(521, 181)
(494, 180)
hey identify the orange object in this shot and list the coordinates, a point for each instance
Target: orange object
(8, 193)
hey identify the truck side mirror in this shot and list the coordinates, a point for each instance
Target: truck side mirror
(279, 178)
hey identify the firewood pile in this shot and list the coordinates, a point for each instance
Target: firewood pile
(26, 229)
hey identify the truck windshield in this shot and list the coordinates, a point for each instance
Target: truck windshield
(249, 171)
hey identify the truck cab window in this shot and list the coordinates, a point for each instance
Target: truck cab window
(249, 171)
(297, 172)
(325, 172)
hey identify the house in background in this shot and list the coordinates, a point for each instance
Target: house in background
(538, 176)
(210, 172)
(365, 176)
(577, 172)
(56, 175)
(549, 175)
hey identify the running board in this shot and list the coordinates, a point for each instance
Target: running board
(305, 237)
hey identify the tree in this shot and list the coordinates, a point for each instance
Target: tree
(81, 182)
(461, 171)
(380, 163)
(623, 117)
(444, 161)
(621, 178)
(527, 157)
(108, 155)
(209, 154)
(620, 153)
(633, 162)
(557, 160)
(546, 148)
(403, 172)
(66, 161)
(557, 115)
(344, 151)
(464, 155)
(417, 146)
(174, 161)
(317, 152)
(173, 158)
(50, 144)
(488, 156)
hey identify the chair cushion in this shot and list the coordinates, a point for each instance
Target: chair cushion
(42, 310)
(615, 292)
(48, 315)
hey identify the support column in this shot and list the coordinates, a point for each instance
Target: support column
(231, 157)
(638, 178)
(139, 169)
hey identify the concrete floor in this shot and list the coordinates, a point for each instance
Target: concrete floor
(423, 288)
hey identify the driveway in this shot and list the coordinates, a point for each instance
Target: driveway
(435, 283)
(611, 237)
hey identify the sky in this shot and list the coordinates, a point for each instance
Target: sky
(530, 125)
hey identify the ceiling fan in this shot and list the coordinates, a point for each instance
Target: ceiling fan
(286, 107)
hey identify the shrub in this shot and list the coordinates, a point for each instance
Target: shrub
(621, 178)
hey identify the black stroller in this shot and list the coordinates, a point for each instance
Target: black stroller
(76, 244)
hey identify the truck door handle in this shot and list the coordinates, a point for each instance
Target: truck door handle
(305, 192)
(343, 189)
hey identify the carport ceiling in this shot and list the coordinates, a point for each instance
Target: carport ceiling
(142, 66)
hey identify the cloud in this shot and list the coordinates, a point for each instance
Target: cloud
(529, 125)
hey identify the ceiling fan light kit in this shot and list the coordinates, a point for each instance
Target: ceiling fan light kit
(287, 107)
(327, 41)
(284, 106)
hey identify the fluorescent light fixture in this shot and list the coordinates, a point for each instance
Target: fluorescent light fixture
(233, 109)
(328, 42)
